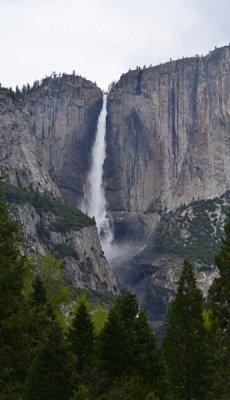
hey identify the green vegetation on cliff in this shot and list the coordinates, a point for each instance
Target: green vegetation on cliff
(193, 230)
(68, 217)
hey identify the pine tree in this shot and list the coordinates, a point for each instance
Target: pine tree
(42, 315)
(52, 373)
(12, 263)
(116, 347)
(219, 302)
(81, 335)
(148, 359)
(118, 336)
(184, 343)
(127, 348)
(25, 312)
(13, 308)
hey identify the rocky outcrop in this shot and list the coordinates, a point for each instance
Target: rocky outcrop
(84, 263)
(46, 134)
(154, 278)
(168, 134)
(191, 231)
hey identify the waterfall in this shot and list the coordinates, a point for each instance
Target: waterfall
(94, 196)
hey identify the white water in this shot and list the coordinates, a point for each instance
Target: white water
(94, 196)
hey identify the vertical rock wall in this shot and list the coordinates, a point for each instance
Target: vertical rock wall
(47, 134)
(169, 134)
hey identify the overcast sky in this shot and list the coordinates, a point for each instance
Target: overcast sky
(101, 39)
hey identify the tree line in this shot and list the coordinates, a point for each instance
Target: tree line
(47, 352)
(21, 93)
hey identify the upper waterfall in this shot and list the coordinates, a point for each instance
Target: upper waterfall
(94, 196)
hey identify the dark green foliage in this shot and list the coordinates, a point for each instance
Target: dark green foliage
(128, 347)
(42, 314)
(43, 232)
(116, 352)
(12, 263)
(117, 337)
(63, 218)
(55, 81)
(68, 217)
(107, 298)
(26, 310)
(63, 250)
(184, 344)
(13, 310)
(52, 374)
(219, 303)
(193, 230)
(39, 295)
(116, 357)
(222, 259)
(14, 194)
(148, 360)
(81, 335)
(127, 390)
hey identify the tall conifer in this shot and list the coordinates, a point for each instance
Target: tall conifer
(81, 335)
(13, 309)
(128, 347)
(52, 374)
(219, 302)
(184, 342)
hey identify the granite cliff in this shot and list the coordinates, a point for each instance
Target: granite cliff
(167, 172)
(168, 136)
(47, 133)
(46, 136)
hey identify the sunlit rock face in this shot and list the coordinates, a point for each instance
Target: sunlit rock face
(168, 134)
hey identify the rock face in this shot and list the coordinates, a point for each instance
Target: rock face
(168, 134)
(46, 134)
(191, 231)
(85, 265)
(168, 145)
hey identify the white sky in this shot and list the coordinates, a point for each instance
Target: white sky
(101, 39)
